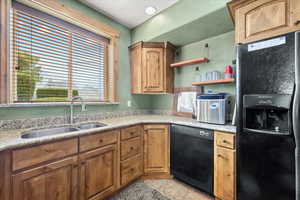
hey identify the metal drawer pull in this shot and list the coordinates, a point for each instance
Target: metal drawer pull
(47, 169)
(297, 22)
(49, 150)
(220, 156)
(226, 142)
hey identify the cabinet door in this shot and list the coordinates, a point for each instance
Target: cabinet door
(153, 70)
(98, 172)
(156, 149)
(224, 183)
(5, 174)
(295, 13)
(136, 67)
(262, 19)
(55, 181)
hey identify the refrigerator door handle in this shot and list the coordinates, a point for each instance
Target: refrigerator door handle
(296, 111)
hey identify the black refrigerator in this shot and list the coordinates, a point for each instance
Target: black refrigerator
(268, 126)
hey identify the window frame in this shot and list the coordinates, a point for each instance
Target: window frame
(65, 13)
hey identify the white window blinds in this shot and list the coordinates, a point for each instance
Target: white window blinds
(54, 60)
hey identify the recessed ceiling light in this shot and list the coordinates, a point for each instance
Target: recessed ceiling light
(150, 10)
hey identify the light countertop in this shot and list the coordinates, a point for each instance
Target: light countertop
(10, 139)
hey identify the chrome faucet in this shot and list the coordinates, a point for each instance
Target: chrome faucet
(72, 107)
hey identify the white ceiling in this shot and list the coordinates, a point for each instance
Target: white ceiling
(130, 13)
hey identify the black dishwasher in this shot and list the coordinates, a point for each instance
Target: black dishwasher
(192, 155)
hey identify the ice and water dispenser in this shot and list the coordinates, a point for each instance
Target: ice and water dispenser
(267, 113)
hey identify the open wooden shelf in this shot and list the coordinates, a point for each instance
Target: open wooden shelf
(224, 81)
(190, 62)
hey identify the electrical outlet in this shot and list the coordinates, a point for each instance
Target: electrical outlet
(129, 103)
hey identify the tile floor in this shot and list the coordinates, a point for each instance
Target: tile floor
(176, 190)
(160, 190)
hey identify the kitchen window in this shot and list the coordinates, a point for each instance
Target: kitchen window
(53, 60)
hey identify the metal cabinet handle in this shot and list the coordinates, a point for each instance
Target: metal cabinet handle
(49, 150)
(223, 157)
(46, 169)
(75, 165)
(226, 142)
(297, 22)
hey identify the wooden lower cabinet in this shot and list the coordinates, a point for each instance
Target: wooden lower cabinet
(98, 173)
(54, 181)
(5, 175)
(131, 155)
(224, 167)
(130, 148)
(131, 169)
(114, 160)
(156, 149)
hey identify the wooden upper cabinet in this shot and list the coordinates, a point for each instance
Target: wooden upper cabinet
(295, 13)
(156, 149)
(261, 19)
(150, 67)
(153, 70)
(57, 181)
(98, 173)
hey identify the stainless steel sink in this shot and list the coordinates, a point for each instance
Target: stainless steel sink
(47, 132)
(90, 125)
(59, 130)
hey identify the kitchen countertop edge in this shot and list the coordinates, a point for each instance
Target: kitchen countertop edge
(11, 139)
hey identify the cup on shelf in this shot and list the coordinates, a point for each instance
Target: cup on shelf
(228, 72)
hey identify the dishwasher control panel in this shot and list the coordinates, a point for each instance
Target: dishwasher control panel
(204, 133)
(193, 131)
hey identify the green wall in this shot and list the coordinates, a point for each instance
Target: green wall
(208, 18)
(138, 101)
(221, 53)
(169, 21)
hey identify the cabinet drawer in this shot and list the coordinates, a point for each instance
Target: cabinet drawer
(97, 140)
(130, 132)
(27, 157)
(226, 140)
(130, 148)
(131, 169)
